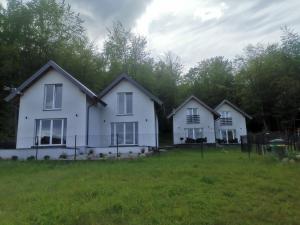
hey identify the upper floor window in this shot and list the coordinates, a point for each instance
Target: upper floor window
(124, 103)
(192, 116)
(226, 119)
(53, 96)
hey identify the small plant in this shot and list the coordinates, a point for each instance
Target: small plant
(63, 156)
(30, 158)
(91, 152)
(142, 150)
(130, 152)
(46, 157)
(101, 155)
(14, 157)
(109, 153)
(208, 179)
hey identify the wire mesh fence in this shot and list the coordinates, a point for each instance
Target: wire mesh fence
(261, 142)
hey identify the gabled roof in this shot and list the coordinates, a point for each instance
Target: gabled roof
(216, 114)
(52, 65)
(126, 77)
(225, 101)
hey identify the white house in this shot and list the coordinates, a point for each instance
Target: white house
(232, 123)
(193, 121)
(54, 108)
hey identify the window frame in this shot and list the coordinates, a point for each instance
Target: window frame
(135, 134)
(201, 132)
(38, 132)
(53, 103)
(193, 116)
(125, 103)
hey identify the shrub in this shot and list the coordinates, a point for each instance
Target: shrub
(30, 158)
(142, 151)
(101, 155)
(130, 152)
(208, 179)
(63, 156)
(109, 153)
(91, 152)
(46, 157)
(14, 157)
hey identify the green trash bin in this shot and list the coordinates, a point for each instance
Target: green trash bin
(278, 147)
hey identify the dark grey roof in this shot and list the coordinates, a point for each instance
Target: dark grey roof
(225, 101)
(216, 114)
(52, 65)
(126, 77)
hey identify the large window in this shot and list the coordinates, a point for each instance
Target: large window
(192, 116)
(50, 131)
(124, 133)
(228, 135)
(194, 133)
(226, 119)
(53, 96)
(124, 103)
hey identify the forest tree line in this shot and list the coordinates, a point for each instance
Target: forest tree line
(264, 80)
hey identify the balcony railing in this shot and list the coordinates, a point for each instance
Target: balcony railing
(191, 119)
(226, 121)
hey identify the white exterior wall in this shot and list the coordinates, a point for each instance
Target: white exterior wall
(32, 107)
(143, 113)
(206, 122)
(238, 122)
(95, 138)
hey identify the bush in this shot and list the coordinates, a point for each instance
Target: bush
(46, 157)
(14, 157)
(101, 155)
(91, 152)
(30, 158)
(63, 156)
(143, 151)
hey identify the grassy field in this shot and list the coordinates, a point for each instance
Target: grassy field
(176, 187)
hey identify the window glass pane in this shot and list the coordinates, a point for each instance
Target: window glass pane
(197, 133)
(58, 96)
(190, 133)
(189, 112)
(112, 133)
(129, 133)
(49, 89)
(45, 132)
(223, 133)
(136, 133)
(65, 131)
(57, 132)
(120, 132)
(195, 111)
(230, 134)
(37, 132)
(121, 103)
(129, 103)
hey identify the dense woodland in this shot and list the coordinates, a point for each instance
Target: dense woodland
(264, 80)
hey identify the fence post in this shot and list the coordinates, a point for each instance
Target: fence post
(75, 147)
(36, 147)
(117, 145)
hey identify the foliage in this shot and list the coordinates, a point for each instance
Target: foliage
(218, 189)
(264, 80)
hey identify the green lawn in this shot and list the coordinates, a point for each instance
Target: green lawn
(176, 187)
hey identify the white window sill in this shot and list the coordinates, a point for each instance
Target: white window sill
(58, 109)
(131, 114)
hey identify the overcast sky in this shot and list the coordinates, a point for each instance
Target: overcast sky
(192, 29)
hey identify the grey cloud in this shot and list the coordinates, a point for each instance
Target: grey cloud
(243, 22)
(100, 14)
